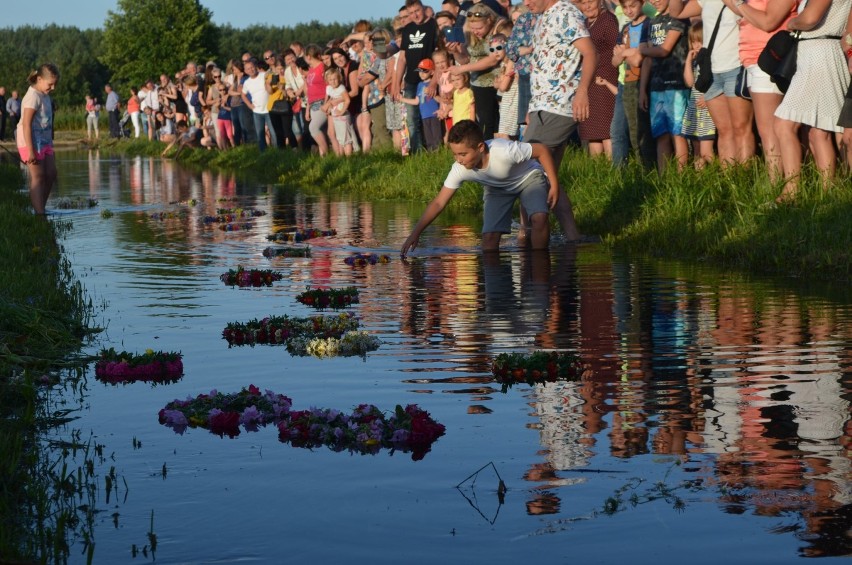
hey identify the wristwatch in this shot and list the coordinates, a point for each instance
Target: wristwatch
(739, 3)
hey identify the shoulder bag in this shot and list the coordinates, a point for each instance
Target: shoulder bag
(703, 64)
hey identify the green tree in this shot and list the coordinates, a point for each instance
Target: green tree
(145, 38)
(75, 53)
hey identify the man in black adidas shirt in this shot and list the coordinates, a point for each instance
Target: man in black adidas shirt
(419, 41)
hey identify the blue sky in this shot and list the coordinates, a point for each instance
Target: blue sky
(239, 13)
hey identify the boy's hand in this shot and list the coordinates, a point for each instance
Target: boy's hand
(409, 245)
(553, 195)
(643, 100)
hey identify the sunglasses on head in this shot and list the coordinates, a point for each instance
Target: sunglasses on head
(496, 48)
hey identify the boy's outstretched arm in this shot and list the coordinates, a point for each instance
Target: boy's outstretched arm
(542, 154)
(433, 210)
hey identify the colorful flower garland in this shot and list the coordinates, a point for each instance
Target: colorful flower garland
(287, 252)
(152, 366)
(362, 259)
(536, 367)
(296, 236)
(335, 298)
(250, 277)
(366, 430)
(350, 344)
(280, 329)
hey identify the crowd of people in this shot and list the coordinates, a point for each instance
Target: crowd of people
(664, 80)
(634, 66)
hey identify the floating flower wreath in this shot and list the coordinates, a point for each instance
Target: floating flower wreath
(250, 277)
(296, 236)
(223, 414)
(366, 430)
(280, 329)
(287, 252)
(151, 366)
(335, 298)
(224, 215)
(78, 203)
(236, 226)
(362, 259)
(170, 214)
(536, 367)
(350, 344)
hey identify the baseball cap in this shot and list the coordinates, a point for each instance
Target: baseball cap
(426, 65)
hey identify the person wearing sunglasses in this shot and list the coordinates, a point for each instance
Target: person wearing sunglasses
(476, 58)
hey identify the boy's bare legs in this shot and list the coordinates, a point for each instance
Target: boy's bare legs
(491, 241)
(564, 211)
(540, 232)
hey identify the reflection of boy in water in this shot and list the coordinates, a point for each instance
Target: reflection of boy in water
(507, 170)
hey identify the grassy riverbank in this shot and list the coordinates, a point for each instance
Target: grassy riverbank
(722, 216)
(44, 318)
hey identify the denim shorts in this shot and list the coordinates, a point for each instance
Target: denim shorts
(667, 110)
(499, 203)
(723, 83)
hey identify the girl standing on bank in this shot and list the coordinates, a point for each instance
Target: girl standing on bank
(34, 134)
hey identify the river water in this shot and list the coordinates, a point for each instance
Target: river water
(712, 422)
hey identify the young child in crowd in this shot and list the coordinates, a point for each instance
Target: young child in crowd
(337, 105)
(662, 90)
(698, 126)
(508, 171)
(507, 86)
(225, 126)
(442, 61)
(626, 54)
(208, 129)
(186, 136)
(428, 106)
(463, 106)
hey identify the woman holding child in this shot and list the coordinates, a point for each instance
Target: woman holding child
(478, 59)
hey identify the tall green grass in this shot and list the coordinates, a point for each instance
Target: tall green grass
(726, 216)
(44, 318)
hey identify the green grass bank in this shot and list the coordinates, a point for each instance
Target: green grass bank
(723, 216)
(44, 319)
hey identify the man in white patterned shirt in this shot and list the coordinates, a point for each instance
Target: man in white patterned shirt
(563, 67)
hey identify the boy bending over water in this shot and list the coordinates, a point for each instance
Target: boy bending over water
(507, 170)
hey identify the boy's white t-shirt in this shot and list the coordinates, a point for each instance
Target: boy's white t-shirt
(509, 164)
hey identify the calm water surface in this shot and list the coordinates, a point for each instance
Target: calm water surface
(713, 422)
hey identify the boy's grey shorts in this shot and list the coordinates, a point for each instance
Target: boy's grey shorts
(497, 211)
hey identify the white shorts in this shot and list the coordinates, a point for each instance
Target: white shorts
(759, 82)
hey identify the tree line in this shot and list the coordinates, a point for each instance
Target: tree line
(141, 40)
